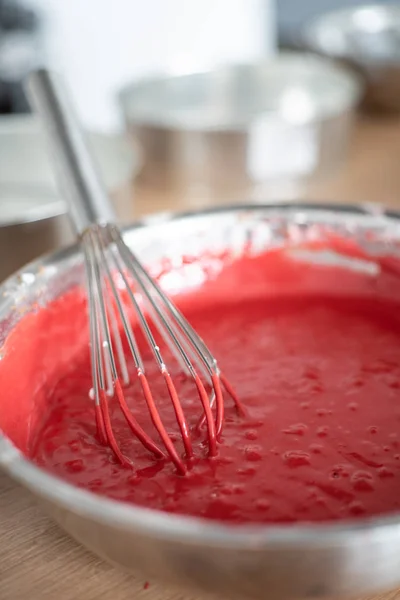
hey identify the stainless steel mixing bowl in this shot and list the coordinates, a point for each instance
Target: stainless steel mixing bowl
(292, 561)
(285, 119)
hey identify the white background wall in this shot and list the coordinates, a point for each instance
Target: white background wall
(101, 44)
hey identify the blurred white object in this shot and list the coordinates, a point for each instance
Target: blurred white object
(100, 45)
(32, 220)
(28, 190)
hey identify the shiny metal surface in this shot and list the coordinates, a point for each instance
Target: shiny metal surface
(32, 213)
(287, 118)
(28, 190)
(79, 176)
(367, 37)
(293, 561)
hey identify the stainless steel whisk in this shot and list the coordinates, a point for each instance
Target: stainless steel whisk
(108, 259)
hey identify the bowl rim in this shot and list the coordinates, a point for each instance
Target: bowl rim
(181, 528)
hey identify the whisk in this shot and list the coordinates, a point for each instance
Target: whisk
(109, 260)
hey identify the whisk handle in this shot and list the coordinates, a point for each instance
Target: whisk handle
(78, 178)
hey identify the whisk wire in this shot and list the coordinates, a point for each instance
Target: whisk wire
(106, 254)
(197, 344)
(140, 366)
(98, 359)
(94, 348)
(104, 349)
(99, 247)
(141, 278)
(123, 367)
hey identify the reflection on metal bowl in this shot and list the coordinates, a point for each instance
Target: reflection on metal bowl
(237, 127)
(286, 561)
(367, 38)
(32, 214)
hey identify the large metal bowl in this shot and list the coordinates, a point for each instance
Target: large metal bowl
(285, 119)
(366, 37)
(292, 561)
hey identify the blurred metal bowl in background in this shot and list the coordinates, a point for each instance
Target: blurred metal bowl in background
(367, 38)
(242, 126)
(32, 214)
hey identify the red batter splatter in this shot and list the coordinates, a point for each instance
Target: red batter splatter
(313, 352)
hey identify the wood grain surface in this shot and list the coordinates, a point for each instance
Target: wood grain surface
(37, 561)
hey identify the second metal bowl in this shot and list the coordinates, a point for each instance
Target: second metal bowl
(286, 119)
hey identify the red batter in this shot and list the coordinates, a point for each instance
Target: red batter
(313, 352)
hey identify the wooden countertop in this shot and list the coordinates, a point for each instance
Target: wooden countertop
(39, 562)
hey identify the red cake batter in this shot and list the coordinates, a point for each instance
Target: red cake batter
(313, 352)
